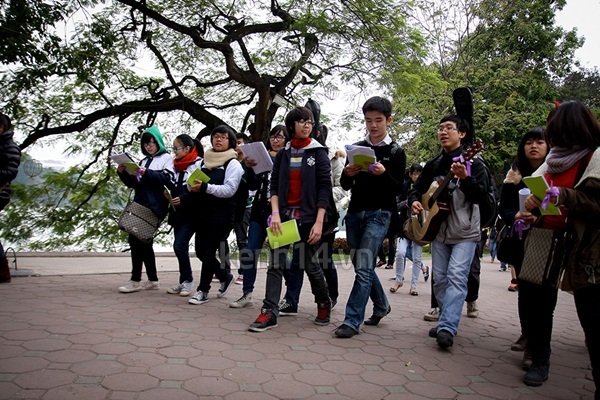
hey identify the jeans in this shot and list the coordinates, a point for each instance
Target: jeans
(451, 266)
(307, 258)
(249, 258)
(208, 240)
(402, 254)
(181, 246)
(295, 278)
(142, 254)
(587, 302)
(241, 236)
(365, 230)
(493, 247)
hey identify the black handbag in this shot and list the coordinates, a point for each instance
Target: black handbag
(139, 221)
(510, 249)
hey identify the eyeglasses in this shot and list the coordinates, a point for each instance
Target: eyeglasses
(277, 138)
(149, 144)
(446, 128)
(220, 137)
(178, 148)
(305, 124)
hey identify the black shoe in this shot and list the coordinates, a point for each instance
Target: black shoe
(374, 320)
(225, 286)
(266, 320)
(444, 339)
(433, 332)
(344, 331)
(537, 374)
(287, 309)
(323, 311)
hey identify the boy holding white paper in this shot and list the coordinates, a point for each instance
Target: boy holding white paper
(300, 190)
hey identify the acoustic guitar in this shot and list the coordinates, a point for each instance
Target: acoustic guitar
(426, 225)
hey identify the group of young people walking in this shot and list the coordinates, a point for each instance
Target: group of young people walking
(299, 188)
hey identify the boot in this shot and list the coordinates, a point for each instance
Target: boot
(4, 270)
(540, 366)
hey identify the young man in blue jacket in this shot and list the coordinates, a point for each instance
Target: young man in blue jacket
(372, 203)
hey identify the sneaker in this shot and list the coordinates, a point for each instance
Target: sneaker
(266, 320)
(225, 286)
(215, 279)
(239, 280)
(151, 285)
(183, 289)
(130, 287)
(186, 290)
(426, 274)
(502, 268)
(520, 344)
(323, 312)
(472, 310)
(537, 374)
(374, 319)
(199, 298)
(389, 266)
(433, 315)
(344, 331)
(444, 339)
(287, 309)
(245, 300)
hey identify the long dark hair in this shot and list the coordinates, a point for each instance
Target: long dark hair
(573, 124)
(187, 141)
(521, 163)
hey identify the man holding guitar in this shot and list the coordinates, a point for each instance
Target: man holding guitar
(456, 233)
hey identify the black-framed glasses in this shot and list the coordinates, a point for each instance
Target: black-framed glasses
(178, 148)
(277, 138)
(148, 144)
(305, 124)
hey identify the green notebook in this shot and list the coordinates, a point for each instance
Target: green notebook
(538, 187)
(364, 161)
(290, 235)
(197, 175)
(131, 167)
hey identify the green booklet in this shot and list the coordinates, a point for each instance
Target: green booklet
(538, 187)
(197, 175)
(131, 167)
(290, 235)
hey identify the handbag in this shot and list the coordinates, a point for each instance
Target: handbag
(543, 263)
(408, 229)
(139, 221)
(511, 249)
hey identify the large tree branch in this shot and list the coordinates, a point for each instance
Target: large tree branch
(194, 109)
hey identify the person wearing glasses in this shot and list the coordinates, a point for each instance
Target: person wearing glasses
(214, 209)
(155, 171)
(372, 203)
(453, 248)
(300, 189)
(259, 213)
(188, 155)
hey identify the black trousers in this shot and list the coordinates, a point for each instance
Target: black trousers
(587, 302)
(142, 254)
(536, 312)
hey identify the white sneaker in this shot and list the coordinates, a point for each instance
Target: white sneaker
(130, 287)
(175, 289)
(199, 298)
(245, 300)
(151, 285)
(472, 310)
(186, 289)
(433, 315)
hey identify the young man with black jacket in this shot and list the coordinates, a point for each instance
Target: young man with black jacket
(372, 203)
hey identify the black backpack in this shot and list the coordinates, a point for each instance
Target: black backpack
(488, 210)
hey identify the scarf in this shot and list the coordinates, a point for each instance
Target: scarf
(300, 143)
(560, 159)
(184, 162)
(214, 159)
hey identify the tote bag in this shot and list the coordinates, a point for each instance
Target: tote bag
(139, 221)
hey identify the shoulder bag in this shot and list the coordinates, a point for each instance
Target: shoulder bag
(139, 221)
(545, 256)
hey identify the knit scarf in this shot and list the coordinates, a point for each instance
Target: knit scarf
(214, 159)
(300, 143)
(560, 159)
(182, 163)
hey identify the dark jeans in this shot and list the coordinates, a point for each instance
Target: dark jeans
(306, 257)
(181, 246)
(249, 258)
(208, 240)
(295, 278)
(241, 236)
(587, 302)
(142, 254)
(536, 313)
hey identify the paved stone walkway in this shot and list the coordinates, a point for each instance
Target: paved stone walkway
(68, 334)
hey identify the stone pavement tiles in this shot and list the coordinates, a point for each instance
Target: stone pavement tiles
(76, 337)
